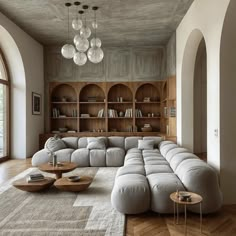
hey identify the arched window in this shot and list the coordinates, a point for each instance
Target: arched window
(4, 109)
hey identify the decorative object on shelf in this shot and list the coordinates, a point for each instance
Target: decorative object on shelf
(63, 130)
(36, 103)
(81, 40)
(146, 128)
(68, 50)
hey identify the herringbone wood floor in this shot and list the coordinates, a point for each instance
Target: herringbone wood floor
(222, 223)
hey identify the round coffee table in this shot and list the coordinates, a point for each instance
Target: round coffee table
(22, 184)
(66, 185)
(195, 199)
(59, 169)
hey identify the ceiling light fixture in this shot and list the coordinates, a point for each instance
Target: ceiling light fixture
(68, 50)
(95, 53)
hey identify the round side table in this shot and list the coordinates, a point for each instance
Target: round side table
(195, 199)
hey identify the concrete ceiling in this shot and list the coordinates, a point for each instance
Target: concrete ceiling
(121, 22)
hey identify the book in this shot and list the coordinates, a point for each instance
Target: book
(35, 178)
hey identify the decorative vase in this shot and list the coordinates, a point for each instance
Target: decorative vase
(54, 160)
(121, 114)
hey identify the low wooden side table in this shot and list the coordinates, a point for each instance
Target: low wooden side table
(66, 185)
(195, 199)
(23, 185)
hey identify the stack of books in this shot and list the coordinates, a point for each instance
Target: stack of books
(147, 99)
(35, 178)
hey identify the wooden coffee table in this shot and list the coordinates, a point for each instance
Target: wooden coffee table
(66, 185)
(58, 170)
(22, 184)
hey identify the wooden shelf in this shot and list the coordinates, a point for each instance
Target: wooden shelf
(64, 102)
(58, 118)
(107, 96)
(91, 102)
(152, 102)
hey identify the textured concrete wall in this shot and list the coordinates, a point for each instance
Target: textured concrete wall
(171, 56)
(119, 64)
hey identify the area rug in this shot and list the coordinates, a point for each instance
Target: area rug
(59, 213)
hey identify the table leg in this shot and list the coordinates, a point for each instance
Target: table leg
(185, 219)
(200, 217)
(177, 206)
(174, 213)
(58, 175)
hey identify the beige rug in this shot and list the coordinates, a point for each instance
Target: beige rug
(57, 213)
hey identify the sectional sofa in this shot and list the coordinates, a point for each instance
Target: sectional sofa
(150, 169)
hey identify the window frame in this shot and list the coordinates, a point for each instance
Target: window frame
(7, 83)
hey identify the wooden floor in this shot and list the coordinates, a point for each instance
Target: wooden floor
(222, 223)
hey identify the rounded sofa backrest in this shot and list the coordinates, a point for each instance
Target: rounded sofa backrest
(166, 148)
(132, 142)
(156, 140)
(83, 141)
(171, 153)
(116, 141)
(179, 157)
(71, 142)
(199, 177)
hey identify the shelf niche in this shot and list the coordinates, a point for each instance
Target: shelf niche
(120, 108)
(92, 109)
(63, 107)
(148, 107)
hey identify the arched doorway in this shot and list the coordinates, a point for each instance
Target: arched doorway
(187, 89)
(228, 106)
(200, 102)
(4, 109)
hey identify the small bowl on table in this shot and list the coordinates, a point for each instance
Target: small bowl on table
(62, 130)
(185, 196)
(74, 178)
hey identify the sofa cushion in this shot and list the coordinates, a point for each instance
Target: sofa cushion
(116, 141)
(131, 142)
(136, 169)
(97, 157)
(81, 157)
(40, 157)
(54, 144)
(175, 151)
(96, 144)
(197, 176)
(134, 150)
(166, 148)
(156, 140)
(145, 144)
(163, 143)
(71, 142)
(64, 154)
(179, 157)
(161, 186)
(82, 142)
(153, 169)
(131, 194)
(92, 139)
(115, 156)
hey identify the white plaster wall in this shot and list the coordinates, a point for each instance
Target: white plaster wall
(207, 16)
(27, 75)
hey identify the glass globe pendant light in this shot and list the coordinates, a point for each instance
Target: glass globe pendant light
(85, 30)
(77, 23)
(80, 58)
(95, 53)
(68, 50)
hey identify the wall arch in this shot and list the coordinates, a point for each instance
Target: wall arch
(18, 94)
(187, 77)
(227, 105)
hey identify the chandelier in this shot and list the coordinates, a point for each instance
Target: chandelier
(83, 48)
